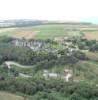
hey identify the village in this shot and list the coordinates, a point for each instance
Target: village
(37, 45)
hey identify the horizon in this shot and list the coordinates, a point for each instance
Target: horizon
(57, 21)
(62, 10)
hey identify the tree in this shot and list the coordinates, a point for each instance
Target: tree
(79, 55)
(94, 48)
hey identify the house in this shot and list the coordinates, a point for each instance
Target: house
(47, 75)
(66, 77)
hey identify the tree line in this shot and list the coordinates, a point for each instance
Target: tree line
(43, 89)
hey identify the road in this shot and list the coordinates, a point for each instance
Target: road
(9, 63)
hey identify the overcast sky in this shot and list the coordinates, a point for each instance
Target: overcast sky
(68, 10)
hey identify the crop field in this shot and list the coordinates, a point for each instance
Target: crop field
(9, 96)
(49, 31)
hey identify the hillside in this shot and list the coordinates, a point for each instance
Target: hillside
(54, 61)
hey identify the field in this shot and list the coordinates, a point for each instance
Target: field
(91, 35)
(9, 96)
(6, 29)
(41, 31)
(48, 31)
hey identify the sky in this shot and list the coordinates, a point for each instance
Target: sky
(64, 10)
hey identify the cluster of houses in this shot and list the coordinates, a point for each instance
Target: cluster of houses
(34, 45)
(37, 45)
(67, 44)
(66, 77)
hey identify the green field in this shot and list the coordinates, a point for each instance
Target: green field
(48, 31)
(7, 34)
(52, 31)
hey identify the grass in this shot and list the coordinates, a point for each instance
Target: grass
(52, 31)
(49, 31)
(7, 33)
(9, 96)
(45, 31)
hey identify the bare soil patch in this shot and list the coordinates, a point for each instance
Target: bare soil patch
(25, 34)
(91, 35)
